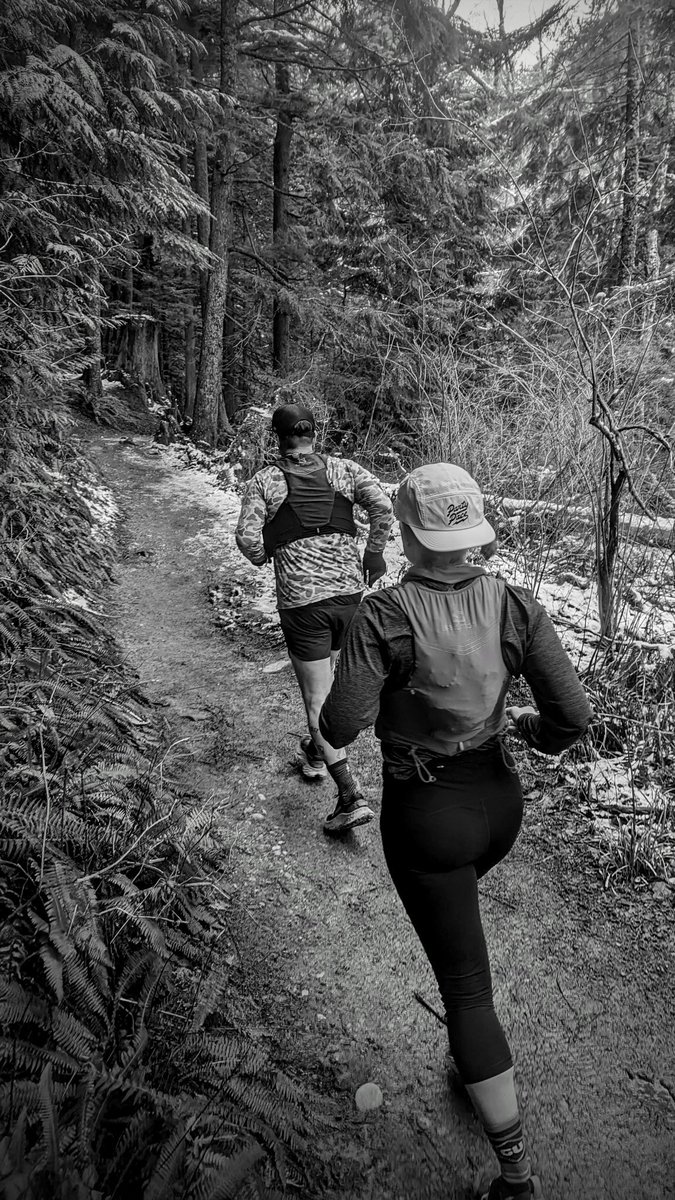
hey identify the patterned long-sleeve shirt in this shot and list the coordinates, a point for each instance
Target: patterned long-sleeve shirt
(313, 568)
(379, 653)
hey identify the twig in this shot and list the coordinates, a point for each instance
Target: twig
(631, 811)
(567, 1002)
(425, 1004)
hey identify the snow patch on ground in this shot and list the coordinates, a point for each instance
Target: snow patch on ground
(102, 508)
(574, 609)
(76, 600)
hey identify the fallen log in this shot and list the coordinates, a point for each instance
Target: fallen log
(650, 531)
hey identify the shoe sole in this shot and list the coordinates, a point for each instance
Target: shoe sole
(308, 771)
(349, 821)
(314, 774)
(535, 1193)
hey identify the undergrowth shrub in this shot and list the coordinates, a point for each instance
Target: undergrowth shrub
(104, 893)
(632, 691)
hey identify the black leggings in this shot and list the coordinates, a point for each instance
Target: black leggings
(438, 839)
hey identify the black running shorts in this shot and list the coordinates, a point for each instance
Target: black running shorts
(314, 630)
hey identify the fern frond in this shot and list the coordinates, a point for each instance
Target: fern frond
(24, 621)
(182, 946)
(226, 1180)
(133, 1142)
(50, 1135)
(85, 992)
(132, 1048)
(25, 1093)
(17, 1142)
(71, 1035)
(151, 933)
(213, 1057)
(169, 1163)
(15, 849)
(53, 968)
(209, 997)
(17, 1007)
(31, 1057)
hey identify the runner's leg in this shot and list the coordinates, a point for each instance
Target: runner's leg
(313, 638)
(314, 680)
(419, 832)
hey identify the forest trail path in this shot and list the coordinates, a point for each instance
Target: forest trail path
(329, 965)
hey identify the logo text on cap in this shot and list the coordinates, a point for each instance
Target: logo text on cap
(457, 513)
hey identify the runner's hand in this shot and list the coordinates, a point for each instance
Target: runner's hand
(514, 713)
(374, 567)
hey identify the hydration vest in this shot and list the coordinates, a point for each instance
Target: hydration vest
(455, 697)
(311, 508)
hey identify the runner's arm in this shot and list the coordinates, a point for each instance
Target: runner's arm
(564, 712)
(362, 668)
(253, 514)
(369, 494)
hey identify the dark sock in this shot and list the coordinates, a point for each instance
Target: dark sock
(509, 1147)
(347, 786)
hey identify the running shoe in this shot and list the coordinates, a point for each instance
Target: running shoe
(348, 814)
(310, 764)
(499, 1190)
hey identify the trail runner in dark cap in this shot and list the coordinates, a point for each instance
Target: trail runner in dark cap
(298, 513)
(434, 657)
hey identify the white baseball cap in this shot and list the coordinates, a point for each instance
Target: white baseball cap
(443, 506)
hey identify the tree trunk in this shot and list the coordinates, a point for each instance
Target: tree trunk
(201, 168)
(229, 356)
(652, 257)
(138, 355)
(607, 543)
(209, 381)
(93, 349)
(190, 376)
(280, 227)
(129, 281)
(631, 168)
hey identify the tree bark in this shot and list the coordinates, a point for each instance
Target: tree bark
(652, 257)
(209, 382)
(631, 168)
(138, 355)
(190, 376)
(94, 350)
(229, 356)
(281, 316)
(607, 548)
(201, 169)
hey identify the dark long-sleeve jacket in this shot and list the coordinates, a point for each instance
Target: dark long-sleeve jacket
(378, 655)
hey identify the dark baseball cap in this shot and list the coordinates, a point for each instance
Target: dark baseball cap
(285, 418)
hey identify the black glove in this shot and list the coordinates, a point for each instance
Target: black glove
(374, 567)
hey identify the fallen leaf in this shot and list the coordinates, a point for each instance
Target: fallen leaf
(277, 665)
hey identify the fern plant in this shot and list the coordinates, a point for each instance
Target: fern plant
(103, 892)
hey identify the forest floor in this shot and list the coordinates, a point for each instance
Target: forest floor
(326, 959)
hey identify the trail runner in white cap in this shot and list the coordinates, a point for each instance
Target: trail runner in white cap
(434, 657)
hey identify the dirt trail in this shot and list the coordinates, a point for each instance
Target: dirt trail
(583, 979)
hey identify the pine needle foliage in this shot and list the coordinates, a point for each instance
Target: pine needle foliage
(93, 131)
(103, 894)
